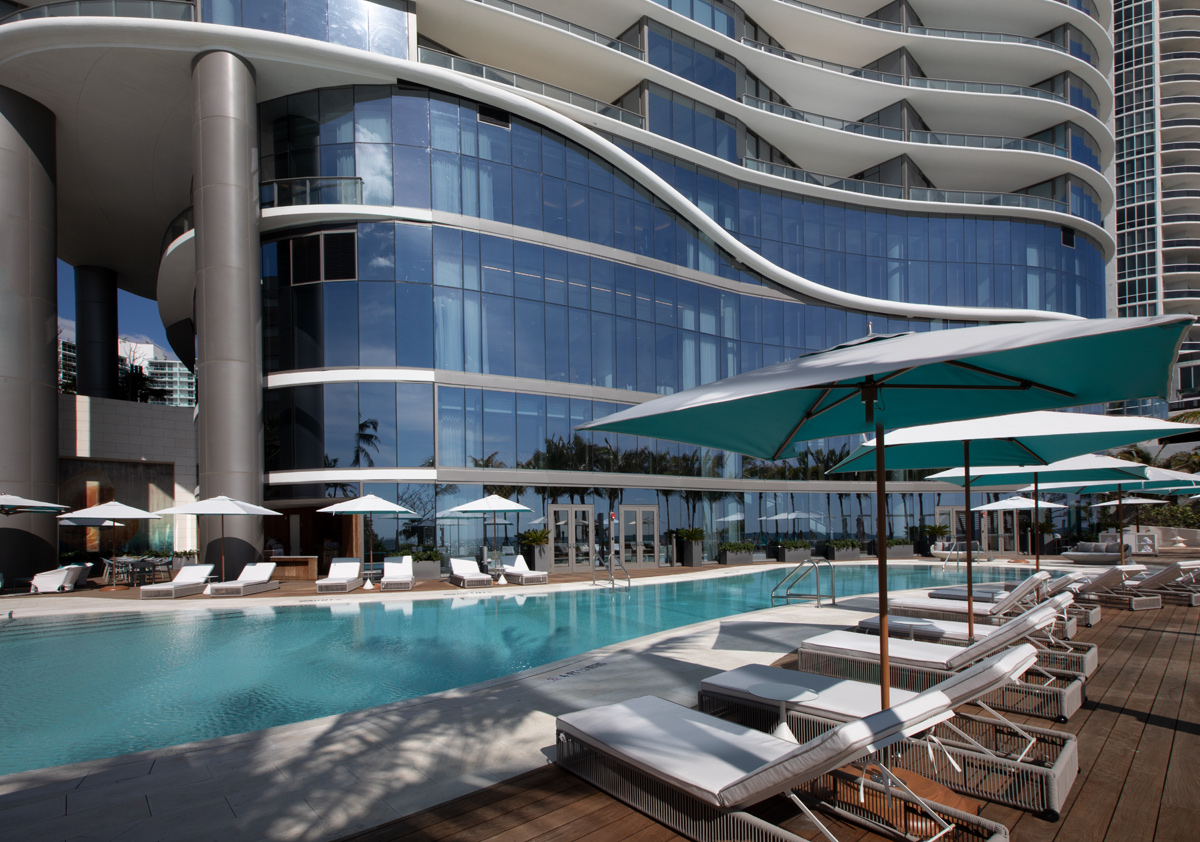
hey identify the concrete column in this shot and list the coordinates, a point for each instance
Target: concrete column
(28, 331)
(96, 332)
(228, 303)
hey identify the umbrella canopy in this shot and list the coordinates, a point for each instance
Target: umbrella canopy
(11, 504)
(1086, 468)
(368, 505)
(86, 521)
(926, 377)
(916, 378)
(109, 511)
(222, 506)
(1129, 501)
(1152, 479)
(1011, 504)
(494, 504)
(1024, 438)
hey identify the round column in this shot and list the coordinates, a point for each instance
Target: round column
(96, 332)
(28, 331)
(228, 302)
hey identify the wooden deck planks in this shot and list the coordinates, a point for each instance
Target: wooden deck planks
(1139, 779)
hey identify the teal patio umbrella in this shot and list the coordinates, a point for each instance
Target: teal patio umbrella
(910, 379)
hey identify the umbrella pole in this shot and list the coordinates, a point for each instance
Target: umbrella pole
(222, 548)
(1121, 522)
(885, 672)
(1037, 538)
(969, 530)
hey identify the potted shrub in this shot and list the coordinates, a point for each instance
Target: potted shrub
(935, 533)
(689, 546)
(791, 550)
(427, 564)
(843, 549)
(735, 552)
(900, 548)
(535, 548)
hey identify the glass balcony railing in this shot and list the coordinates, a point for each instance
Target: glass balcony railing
(154, 9)
(566, 26)
(912, 81)
(975, 197)
(866, 129)
(178, 226)
(322, 190)
(524, 83)
(866, 188)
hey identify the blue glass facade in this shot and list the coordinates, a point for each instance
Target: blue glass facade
(377, 26)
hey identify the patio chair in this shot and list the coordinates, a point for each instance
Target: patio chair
(1018, 599)
(1108, 588)
(190, 580)
(916, 665)
(464, 572)
(61, 579)
(1089, 615)
(254, 578)
(1053, 652)
(982, 757)
(519, 573)
(345, 574)
(1177, 584)
(397, 574)
(698, 774)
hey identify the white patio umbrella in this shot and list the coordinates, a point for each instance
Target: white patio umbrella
(1120, 503)
(368, 505)
(110, 511)
(913, 379)
(11, 504)
(1016, 504)
(219, 505)
(492, 504)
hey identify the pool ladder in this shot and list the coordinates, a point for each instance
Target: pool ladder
(786, 590)
(607, 560)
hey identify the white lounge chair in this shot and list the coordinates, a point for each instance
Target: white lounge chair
(397, 574)
(254, 578)
(345, 574)
(465, 573)
(1015, 601)
(1018, 765)
(698, 774)
(1108, 588)
(190, 580)
(519, 573)
(1089, 615)
(916, 665)
(1053, 653)
(61, 579)
(1178, 583)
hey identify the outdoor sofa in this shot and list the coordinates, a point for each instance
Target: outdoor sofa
(983, 757)
(699, 775)
(918, 665)
(254, 578)
(345, 574)
(1092, 552)
(397, 574)
(189, 581)
(466, 574)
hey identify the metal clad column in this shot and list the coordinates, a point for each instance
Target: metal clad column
(228, 302)
(96, 332)
(28, 331)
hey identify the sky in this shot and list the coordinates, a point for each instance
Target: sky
(137, 317)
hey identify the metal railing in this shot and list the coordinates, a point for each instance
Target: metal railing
(607, 560)
(154, 9)
(867, 188)
(525, 83)
(177, 227)
(566, 26)
(317, 190)
(786, 589)
(975, 197)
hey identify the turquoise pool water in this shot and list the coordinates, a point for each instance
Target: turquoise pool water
(100, 685)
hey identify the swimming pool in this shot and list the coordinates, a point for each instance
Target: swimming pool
(99, 685)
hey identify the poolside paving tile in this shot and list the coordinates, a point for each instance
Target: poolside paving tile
(21, 787)
(116, 774)
(98, 820)
(33, 812)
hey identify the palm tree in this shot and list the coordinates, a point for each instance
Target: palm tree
(365, 440)
(1133, 453)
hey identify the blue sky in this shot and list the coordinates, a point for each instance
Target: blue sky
(137, 317)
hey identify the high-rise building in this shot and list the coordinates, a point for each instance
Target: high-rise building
(170, 382)
(408, 247)
(1157, 162)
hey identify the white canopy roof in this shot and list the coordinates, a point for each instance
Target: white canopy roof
(491, 503)
(367, 505)
(111, 511)
(1016, 503)
(219, 505)
(1086, 468)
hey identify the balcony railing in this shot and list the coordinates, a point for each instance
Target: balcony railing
(974, 197)
(866, 188)
(178, 226)
(323, 190)
(155, 9)
(566, 26)
(524, 83)
(912, 81)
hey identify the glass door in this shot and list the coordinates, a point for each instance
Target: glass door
(572, 537)
(639, 536)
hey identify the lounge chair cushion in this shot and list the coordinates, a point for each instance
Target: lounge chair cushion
(841, 699)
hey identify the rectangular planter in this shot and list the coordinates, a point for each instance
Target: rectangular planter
(427, 570)
(537, 556)
(691, 553)
(790, 556)
(901, 551)
(842, 554)
(734, 558)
